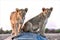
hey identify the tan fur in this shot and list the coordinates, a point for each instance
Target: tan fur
(17, 18)
(37, 24)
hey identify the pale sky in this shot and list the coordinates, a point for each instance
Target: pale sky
(34, 8)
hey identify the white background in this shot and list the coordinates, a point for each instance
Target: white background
(34, 8)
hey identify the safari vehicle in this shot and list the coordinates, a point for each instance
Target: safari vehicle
(29, 36)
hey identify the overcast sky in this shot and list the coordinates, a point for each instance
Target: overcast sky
(34, 8)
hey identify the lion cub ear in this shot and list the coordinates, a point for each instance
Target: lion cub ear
(17, 9)
(43, 9)
(26, 9)
(51, 8)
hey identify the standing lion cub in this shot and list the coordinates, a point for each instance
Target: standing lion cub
(17, 18)
(38, 23)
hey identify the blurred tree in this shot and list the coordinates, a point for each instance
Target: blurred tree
(46, 30)
(7, 31)
(57, 31)
(1, 31)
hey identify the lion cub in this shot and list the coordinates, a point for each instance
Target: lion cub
(17, 18)
(38, 23)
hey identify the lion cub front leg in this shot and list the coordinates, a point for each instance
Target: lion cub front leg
(19, 28)
(13, 29)
(41, 28)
